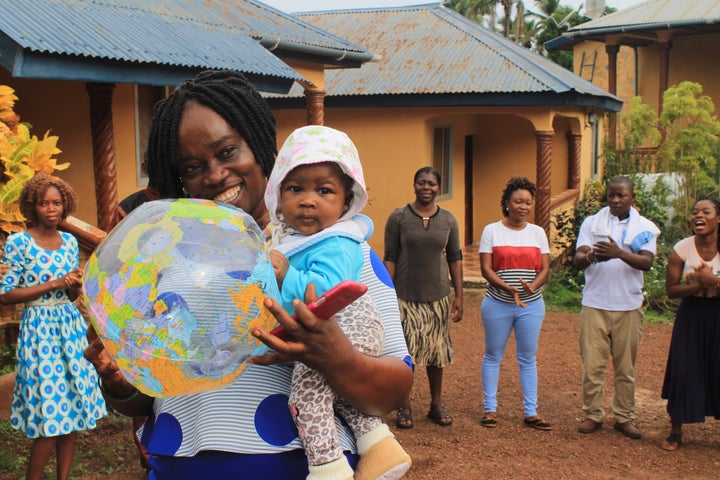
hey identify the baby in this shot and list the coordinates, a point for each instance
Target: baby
(314, 194)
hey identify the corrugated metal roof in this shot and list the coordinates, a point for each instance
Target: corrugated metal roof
(187, 33)
(427, 49)
(686, 16)
(652, 13)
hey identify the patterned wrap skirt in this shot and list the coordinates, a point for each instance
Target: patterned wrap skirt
(427, 331)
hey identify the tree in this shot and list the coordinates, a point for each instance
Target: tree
(690, 146)
(21, 156)
(481, 11)
(554, 19)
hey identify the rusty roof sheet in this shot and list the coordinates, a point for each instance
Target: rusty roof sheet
(188, 33)
(636, 25)
(426, 49)
(653, 13)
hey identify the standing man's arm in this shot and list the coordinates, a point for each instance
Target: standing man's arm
(584, 254)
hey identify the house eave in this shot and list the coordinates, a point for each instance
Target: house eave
(509, 99)
(23, 63)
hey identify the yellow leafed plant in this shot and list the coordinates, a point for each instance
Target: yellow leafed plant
(22, 155)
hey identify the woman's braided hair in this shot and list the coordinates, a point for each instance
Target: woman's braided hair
(231, 96)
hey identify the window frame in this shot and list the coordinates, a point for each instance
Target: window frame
(442, 156)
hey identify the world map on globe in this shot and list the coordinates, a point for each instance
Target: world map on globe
(174, 292)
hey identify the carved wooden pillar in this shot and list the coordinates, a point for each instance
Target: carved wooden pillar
(664, 51)
(574, 153)
(101, 123)
(612, 52)
(544, 177)
(315, 106)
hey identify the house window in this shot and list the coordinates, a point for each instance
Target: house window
(146, 97)
(442, 154)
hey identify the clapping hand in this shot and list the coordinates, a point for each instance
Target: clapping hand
(516, 295)
(72, 279)
(605, 250)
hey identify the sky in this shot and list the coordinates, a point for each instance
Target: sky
(291, 6)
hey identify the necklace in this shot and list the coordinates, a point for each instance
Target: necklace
(425, 220)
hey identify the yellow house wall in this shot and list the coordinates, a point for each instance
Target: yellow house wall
(64, 109)
(392, 147)
(626, 82)
(691, 58)
(395, 142)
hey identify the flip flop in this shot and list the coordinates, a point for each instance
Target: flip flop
(404, 418)
(440, 415)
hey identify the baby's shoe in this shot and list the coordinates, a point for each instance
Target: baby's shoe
(336, 470)
(381, 456)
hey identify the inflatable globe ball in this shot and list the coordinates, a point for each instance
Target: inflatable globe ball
(174, 292)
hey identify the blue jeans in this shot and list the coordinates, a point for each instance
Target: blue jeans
(499, 319)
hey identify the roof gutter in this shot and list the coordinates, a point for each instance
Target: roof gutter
(335, 54)
(580, 33)
(645, 26)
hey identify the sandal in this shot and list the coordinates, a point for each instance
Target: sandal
(672, 442)
(440, 415)
(404, 418)
(537, 423)
(489, 420)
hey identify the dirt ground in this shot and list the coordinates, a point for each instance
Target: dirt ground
(466, 450)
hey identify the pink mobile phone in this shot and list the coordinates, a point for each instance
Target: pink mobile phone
(327, 305)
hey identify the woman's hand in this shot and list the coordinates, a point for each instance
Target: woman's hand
(311, 340)
(374, 385)
(113, 382)
(72, 279)
(456, 312)
(107, 369)
(527, 287)
(704, 275)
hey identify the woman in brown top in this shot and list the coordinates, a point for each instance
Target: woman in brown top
(422, 244)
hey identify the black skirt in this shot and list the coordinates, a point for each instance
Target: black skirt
(692, 375)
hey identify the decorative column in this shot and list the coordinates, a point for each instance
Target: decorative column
(664, 52)
(103, 143)
(543, 179)
(574, 153)
(612, 52)
(315, 106)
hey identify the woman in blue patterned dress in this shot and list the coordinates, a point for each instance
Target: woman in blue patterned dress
(56, 390)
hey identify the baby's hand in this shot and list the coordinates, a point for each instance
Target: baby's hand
(280, 265)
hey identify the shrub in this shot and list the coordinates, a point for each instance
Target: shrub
(22, 155)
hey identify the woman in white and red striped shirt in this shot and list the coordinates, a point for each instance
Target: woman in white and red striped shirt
(515, 261)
